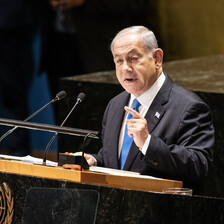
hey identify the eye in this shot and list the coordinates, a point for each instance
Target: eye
(134, 58)
(118, 61)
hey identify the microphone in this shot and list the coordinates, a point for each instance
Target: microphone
(79, 99)
(59, 96)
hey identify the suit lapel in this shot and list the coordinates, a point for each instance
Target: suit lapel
(157, 109)
(153, 116)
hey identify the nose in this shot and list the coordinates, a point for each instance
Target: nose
(126, 67)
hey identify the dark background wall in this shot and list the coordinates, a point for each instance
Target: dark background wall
(190, 28)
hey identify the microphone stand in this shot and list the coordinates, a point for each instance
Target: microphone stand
(83, 149)
(55, 129)
(27, 119)
(59, 96)
(80, 98)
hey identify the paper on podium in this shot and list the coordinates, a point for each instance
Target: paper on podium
(28, 159)
(119, 172)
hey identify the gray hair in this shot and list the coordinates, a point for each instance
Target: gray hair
(148, 37)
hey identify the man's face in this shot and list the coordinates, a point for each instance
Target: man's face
(135, 69)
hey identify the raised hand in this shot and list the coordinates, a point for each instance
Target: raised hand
(137, 127)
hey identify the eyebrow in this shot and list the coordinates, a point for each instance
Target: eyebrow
(130, 52)
(133, 51)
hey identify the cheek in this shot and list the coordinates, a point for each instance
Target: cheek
(118, 75)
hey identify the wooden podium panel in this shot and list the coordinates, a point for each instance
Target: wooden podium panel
(141, 183)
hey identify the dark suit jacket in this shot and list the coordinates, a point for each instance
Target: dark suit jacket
(181, 138)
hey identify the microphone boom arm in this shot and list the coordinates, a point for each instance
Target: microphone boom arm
(49, 128)
(59, 96)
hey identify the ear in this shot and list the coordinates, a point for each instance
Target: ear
(158, 57)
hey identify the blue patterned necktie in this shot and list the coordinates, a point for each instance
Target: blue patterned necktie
(127, 140)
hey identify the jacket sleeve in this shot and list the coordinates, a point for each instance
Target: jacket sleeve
(191, 156)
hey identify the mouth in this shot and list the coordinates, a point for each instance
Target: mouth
(130, 79)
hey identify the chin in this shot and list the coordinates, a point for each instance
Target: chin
(136, 94)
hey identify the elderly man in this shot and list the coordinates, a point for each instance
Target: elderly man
(169, 132)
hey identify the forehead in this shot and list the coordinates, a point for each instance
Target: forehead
(127, 43)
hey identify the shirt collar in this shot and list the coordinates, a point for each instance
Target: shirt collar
(147, 97)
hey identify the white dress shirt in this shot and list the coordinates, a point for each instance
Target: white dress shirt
(145, 100)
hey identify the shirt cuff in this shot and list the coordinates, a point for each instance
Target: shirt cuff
(146, 145)
(95, 162)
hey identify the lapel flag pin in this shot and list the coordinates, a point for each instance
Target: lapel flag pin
(157, 114)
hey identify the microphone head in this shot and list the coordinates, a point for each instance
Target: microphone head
(81, 97)
(60, 95)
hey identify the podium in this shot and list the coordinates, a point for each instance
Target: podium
(88, 177)
(122, 199)
(57, 206)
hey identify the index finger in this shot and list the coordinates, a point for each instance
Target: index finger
(134, 113)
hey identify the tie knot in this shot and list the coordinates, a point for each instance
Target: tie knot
(136, 105)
